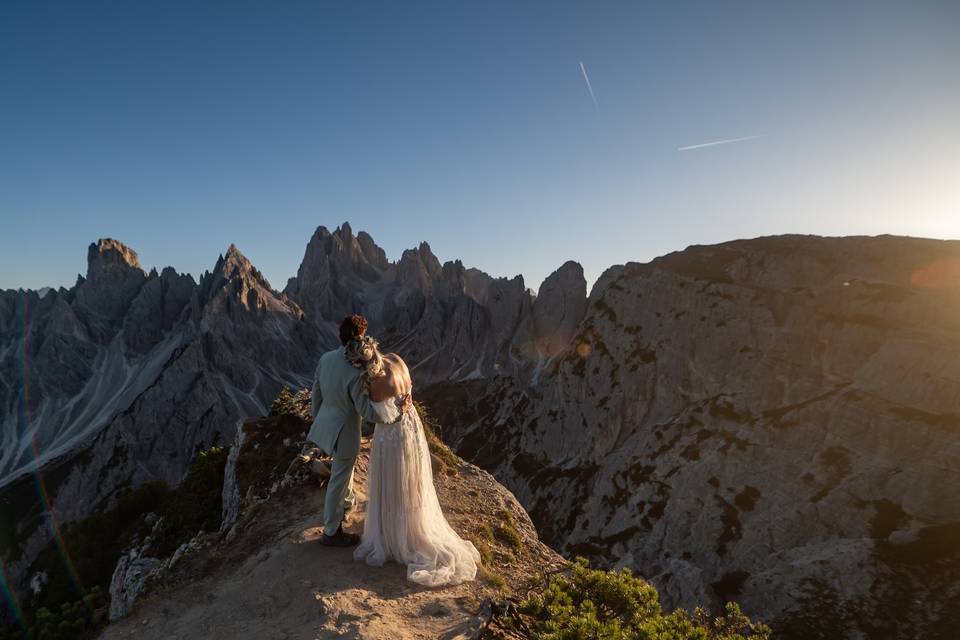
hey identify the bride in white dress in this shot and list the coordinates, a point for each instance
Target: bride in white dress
(404, 520)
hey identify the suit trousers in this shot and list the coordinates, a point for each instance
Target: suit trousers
(340, 494)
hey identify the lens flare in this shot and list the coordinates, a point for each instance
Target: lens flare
(939, 274)
(10, 599)
(42, 493)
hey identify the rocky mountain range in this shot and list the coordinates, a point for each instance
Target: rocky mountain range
(122, 378)
(773, 420)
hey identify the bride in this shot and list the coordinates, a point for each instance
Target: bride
(404, 520)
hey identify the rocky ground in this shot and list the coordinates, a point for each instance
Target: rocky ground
(267, 577)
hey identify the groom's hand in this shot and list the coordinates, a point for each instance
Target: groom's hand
(406, 403)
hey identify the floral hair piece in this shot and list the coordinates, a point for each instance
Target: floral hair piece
(364, 353)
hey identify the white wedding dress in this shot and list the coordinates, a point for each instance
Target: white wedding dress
(404, 520)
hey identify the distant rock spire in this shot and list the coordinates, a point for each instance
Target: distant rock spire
(559, 307)
(109, 256)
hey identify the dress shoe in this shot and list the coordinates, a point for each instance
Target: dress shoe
(340, 539)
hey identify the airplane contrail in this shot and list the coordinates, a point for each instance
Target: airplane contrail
(583, 69)
(716, 142)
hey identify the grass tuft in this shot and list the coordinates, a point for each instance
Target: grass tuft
(506, 531)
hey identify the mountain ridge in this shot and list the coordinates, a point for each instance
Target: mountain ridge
(131, 372)
(771, 420)
(590, 407)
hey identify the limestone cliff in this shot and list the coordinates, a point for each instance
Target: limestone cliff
(771, 420)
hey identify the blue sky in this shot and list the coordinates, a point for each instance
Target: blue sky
(180, 127)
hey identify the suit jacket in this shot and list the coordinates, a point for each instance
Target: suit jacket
(339, 406)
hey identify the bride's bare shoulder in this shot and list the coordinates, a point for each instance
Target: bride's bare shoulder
(395, 360)
(398, 366)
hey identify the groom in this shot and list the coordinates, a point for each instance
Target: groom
(339, 406)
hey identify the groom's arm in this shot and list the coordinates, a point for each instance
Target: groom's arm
(316, 398)
(365, 408)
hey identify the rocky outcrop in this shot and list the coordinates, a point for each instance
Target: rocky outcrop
(130, 576)
(447, 320)
(336, 269)
(771, 420)
(114, 278)
(269, 454)
(559, 308)
(265, 575)
(138, 572)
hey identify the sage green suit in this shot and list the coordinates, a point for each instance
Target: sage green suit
(340, 405)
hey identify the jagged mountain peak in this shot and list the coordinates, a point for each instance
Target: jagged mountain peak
(344, 249)
(114, 278)
(234, 262)
(235, 278)
(373, 253)
(570, 267)
(418, 267)
(233, 265)
(344, 231)
(559, 307)
(321, 232)
(569, 277)
(108, 256)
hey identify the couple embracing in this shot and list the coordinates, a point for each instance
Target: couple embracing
(404, 522)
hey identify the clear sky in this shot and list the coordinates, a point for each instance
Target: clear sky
(180, 127)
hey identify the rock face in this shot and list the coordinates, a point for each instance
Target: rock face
(130, 577)
(774, 421)
(452, 322)
(120, 379)
(559, 308)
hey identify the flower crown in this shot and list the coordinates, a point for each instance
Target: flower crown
(361, 353)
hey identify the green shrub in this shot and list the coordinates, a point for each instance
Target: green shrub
(282, 405)
(482, 542)
(196, 505)
(506, 531)
(95, 543)
(614, 605)
(70, 621)
(491, 577)
(449, 462)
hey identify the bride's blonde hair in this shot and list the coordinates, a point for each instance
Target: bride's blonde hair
(364, 353)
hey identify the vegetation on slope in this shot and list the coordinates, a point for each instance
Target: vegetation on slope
(591, 604)
(578, 604)
(444, 458)
(78, 567)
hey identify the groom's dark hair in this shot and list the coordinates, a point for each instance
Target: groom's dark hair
(352, 327)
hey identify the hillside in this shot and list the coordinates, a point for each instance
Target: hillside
(772, 420)
(264, 575)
